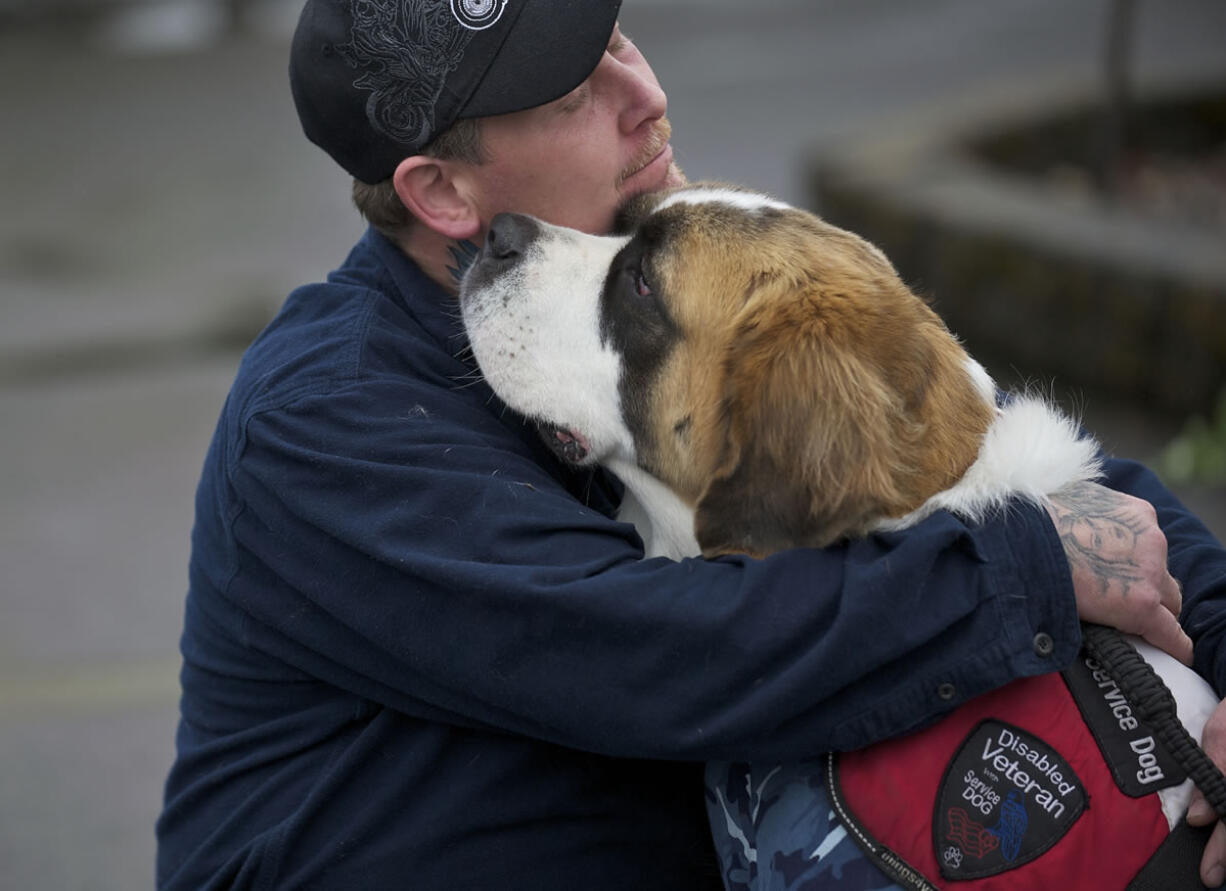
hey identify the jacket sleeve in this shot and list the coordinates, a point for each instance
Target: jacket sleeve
(424, 559)
(1196, 558)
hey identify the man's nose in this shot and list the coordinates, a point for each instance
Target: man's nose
(509, 236)
(642, 96)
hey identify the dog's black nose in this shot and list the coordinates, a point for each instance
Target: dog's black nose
(509, 235)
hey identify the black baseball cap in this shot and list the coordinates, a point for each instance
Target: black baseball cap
(374, 81)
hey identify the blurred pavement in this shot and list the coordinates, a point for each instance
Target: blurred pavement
(160, 201)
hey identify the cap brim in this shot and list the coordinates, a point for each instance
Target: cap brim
(552, 48)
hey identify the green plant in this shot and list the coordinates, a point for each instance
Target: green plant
(1198, 454)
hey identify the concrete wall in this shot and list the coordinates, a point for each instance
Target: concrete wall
(1101, 298)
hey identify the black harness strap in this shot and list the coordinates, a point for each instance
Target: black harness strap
(1175, 866)
(1155, 705)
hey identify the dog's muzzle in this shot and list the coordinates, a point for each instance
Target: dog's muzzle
(497, 295)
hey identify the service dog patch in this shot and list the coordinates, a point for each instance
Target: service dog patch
(1006, 797)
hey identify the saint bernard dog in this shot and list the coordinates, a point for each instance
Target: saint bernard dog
(760, 379)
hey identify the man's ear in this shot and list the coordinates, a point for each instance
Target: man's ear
(428, 188)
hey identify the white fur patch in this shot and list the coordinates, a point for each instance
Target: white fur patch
(664, 521)
(982, 380)
(535, 332)
(750, 201)
(1031, 450)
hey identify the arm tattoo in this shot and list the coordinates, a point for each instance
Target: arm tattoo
(1099, 535)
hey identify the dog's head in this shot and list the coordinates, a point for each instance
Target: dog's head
(769, 367)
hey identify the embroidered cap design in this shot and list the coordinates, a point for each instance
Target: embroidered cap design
(404, 50)
(477, 15)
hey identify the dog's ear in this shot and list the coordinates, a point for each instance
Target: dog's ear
(832, 419)
(799, 463)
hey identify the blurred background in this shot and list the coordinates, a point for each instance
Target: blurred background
(159, 202)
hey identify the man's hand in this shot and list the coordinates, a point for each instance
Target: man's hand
(1117, 555)
(1213, 862)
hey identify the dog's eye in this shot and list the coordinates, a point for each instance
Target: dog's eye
(641, 287)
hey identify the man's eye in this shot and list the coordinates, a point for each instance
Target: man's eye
(618, 41)
(574, 100)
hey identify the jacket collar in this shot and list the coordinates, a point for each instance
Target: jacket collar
(437, 311)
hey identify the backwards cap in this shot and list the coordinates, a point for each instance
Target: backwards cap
(374, 81)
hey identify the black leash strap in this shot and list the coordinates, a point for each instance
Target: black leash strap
(1154, 704)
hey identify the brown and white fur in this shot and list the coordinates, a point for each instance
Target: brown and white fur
(760, 379)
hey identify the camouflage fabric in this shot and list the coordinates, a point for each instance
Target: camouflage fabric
(774, 831)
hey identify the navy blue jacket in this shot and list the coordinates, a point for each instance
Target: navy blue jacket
(420, 653)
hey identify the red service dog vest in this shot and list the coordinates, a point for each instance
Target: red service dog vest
(1050, 783)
